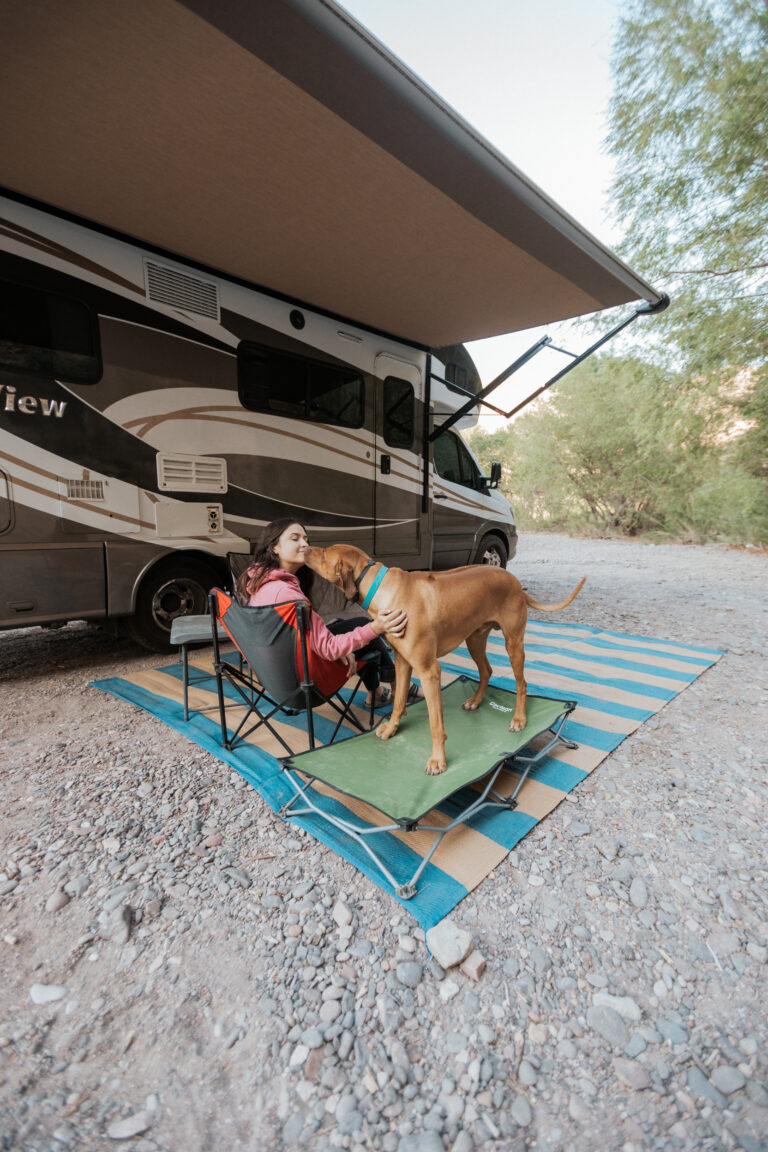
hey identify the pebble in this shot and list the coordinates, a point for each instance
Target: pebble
(626, 1007)
(727, 1079)
(56, 901)
(632, 1074)
(609, 1024)
(46, 993)
(638, 893)
(448, 943)
(132, 1126)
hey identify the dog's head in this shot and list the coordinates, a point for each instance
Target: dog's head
(341, 564)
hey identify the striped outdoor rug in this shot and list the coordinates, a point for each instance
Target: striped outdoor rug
(618, 681)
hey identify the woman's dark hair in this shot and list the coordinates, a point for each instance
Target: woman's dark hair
(265, 560)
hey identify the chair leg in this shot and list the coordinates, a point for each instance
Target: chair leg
(185, 678)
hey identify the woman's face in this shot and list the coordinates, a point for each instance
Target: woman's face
(291, 548)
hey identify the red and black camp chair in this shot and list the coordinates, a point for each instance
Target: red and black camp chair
(280, 673)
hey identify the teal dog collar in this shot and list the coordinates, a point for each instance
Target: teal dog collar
(374, 587)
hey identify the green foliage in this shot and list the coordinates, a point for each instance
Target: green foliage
(621, 447)
(689, 131)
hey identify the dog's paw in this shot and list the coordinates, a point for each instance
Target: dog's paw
(386, 729)
(517, 725)
(471, 705)
(435, 766)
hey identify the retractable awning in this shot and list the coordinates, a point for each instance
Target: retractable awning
(278, 142)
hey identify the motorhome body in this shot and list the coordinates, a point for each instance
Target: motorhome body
(154, 415)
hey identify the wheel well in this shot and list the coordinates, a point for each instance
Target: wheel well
(216, 564)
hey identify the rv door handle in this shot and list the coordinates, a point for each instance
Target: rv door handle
(439, 496)
(22, 606)
(386, 465)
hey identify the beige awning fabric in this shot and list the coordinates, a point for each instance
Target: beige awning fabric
(278, 142)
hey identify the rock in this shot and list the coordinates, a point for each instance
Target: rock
(311, 1038)
(448, 989)
(723, 943)
(609, 1024)
(672, 1031)
(56, 901)
(342, 914)
(727, 1079)
(638, 893)
(578, 1109)
(579, 829)
(117, 925)
(631, 1073)
(409, 973)
(463, 1143)
(624, 1005)
(474, 965)
(521, 1111)
(131, 1126)
(448, 943)
(330, 1010)
(46, 993)
(527, 1074)
(427, 1141)
(698, 1083)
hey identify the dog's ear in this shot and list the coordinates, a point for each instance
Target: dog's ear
(345, 578)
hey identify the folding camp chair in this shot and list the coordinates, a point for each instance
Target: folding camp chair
(280, 674)
(389, 776)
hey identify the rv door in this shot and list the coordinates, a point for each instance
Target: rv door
(399, 536)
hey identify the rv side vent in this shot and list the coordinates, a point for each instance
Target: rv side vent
(167, 285)
(85, 489)
(177, 472)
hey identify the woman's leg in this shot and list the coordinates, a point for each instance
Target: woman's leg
(380, 667)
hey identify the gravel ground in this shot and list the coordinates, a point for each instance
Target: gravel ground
(182, 972)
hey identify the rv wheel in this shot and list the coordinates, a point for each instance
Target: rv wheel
(492, 551)
(176, 588)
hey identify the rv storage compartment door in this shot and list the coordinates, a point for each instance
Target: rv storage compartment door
(57, 582)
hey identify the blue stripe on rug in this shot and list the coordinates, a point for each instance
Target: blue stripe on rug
(709, 653)
(612, 662)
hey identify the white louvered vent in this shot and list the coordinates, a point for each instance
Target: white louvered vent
(178, 472)
(166, 285)
(85, 489)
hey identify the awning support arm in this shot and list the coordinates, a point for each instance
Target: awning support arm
(644, 310)
(478, 399)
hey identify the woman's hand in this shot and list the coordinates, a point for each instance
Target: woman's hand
(350, 662)
(393, 621)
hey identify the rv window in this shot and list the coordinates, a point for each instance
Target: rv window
(398, 412)
(42, 334)
(294, 386)
(453, 462)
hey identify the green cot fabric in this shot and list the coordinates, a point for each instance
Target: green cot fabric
(389, 774)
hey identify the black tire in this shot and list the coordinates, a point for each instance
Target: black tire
(492, 551)
(174, 587)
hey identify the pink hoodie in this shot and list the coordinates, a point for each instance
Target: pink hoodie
(280, 586)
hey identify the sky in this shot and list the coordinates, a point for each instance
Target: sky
(535, 80)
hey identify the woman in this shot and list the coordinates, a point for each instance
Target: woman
(278, 573)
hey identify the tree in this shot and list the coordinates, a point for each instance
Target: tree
(614, 450)
(689, 130)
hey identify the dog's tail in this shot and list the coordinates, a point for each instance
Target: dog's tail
(555, 607)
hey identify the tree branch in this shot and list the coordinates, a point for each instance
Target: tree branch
(713, 272)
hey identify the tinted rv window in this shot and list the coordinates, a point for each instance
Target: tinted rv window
(453, 462)
(398, 412)
(42, 334)
(294, 386)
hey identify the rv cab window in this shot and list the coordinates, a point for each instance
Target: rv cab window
(44, 334)
(453, 462)
(285, 384)
(398, 412)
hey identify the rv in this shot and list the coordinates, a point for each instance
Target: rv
(153, 418)
(236, 282)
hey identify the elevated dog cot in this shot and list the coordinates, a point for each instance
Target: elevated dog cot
(389, 776)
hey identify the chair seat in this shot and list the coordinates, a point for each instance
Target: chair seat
(193, 630)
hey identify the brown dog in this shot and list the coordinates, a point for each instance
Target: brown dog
(444, 609)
